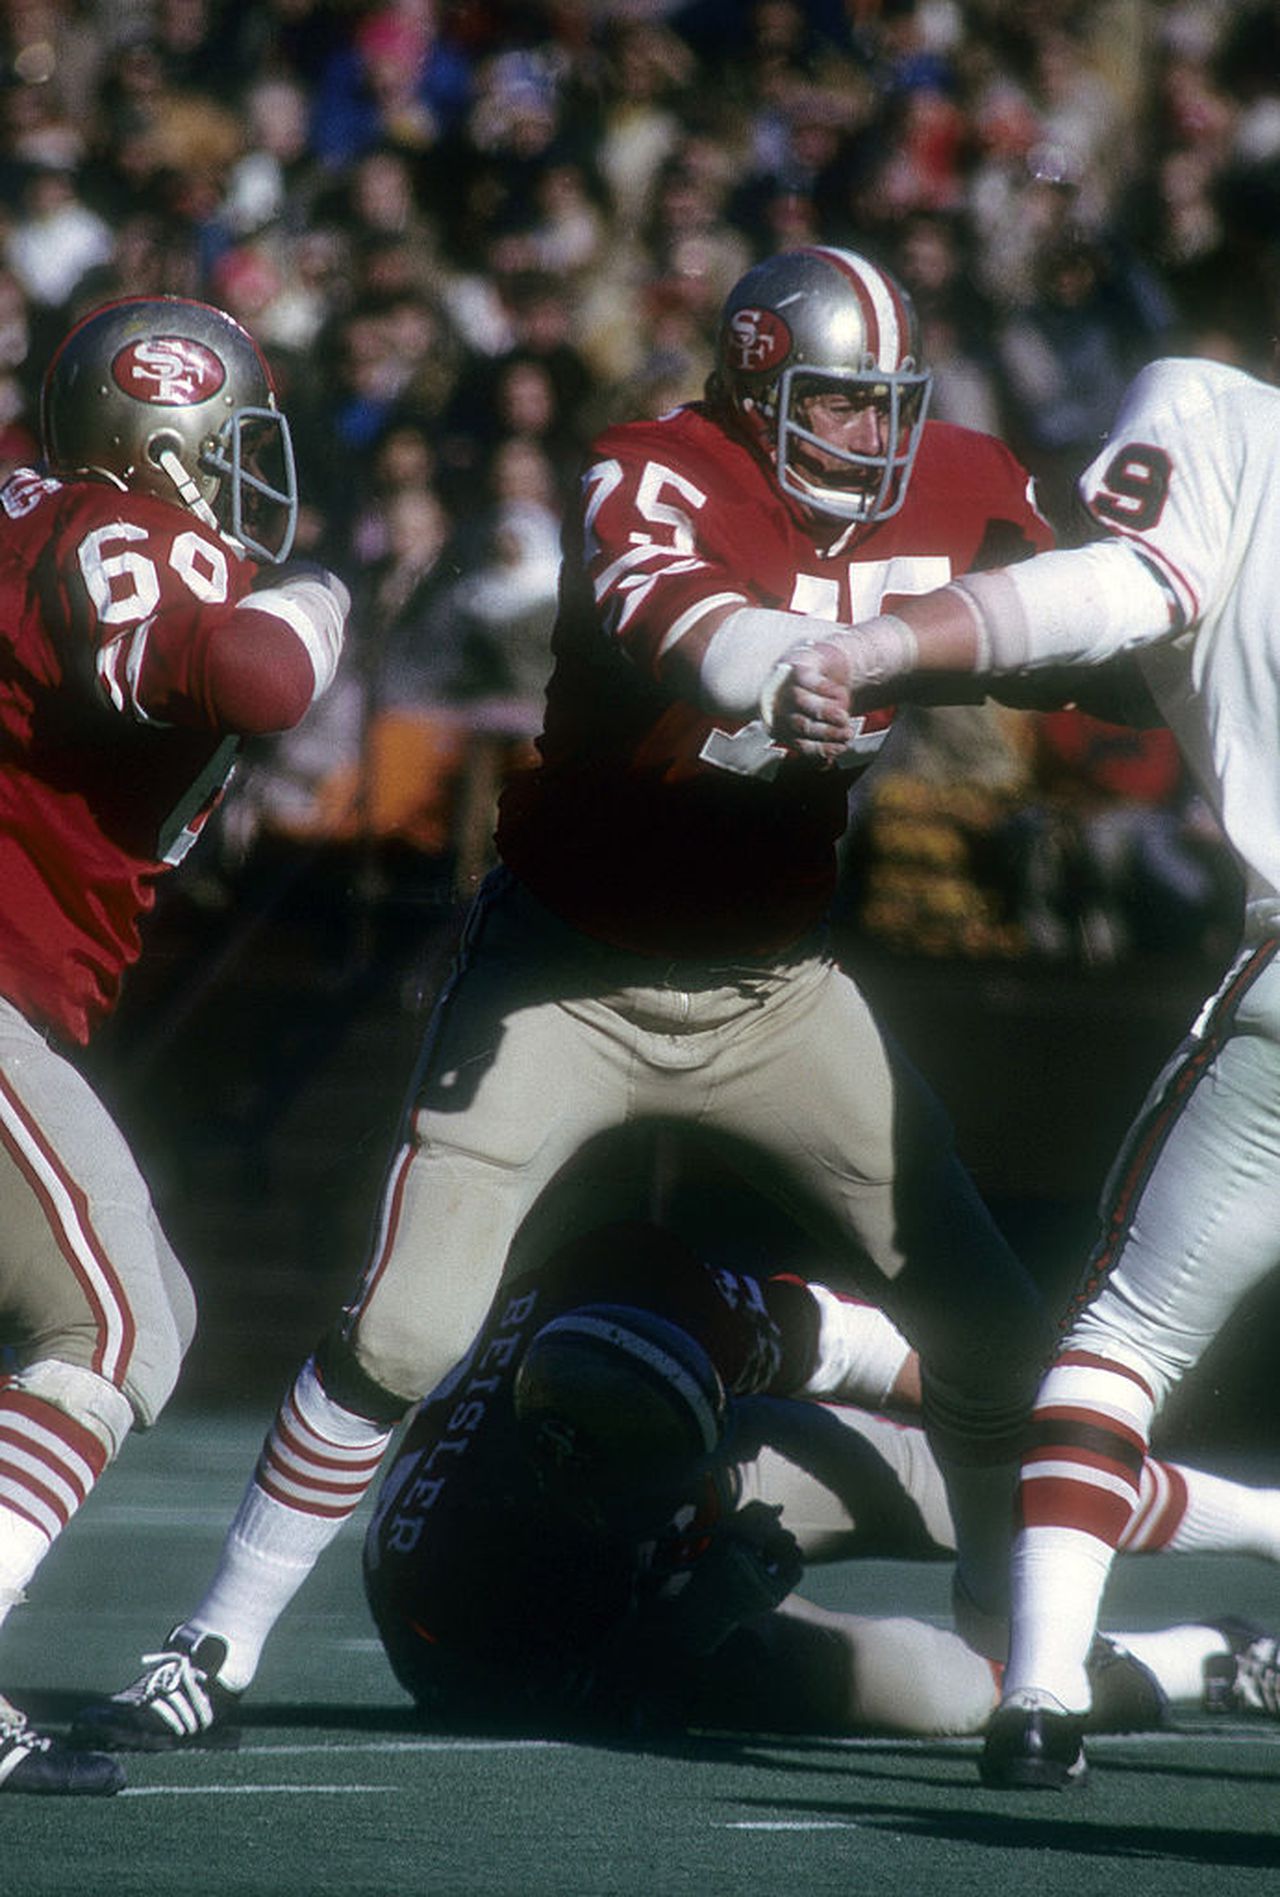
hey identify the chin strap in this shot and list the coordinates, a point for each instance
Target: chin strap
(188, 493)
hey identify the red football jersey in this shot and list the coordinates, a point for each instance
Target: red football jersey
(104, 782)
(639, 826)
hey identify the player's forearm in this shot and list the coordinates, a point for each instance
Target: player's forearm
(1077, 608)
(743, 651)
(312, 607)
(257, 678)
(259, 670)
(858, 1355)
(728, 656)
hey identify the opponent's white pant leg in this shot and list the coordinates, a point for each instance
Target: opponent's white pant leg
(1191, 1222)
(848, 1482)
(1193, 1200)
(805, 1668)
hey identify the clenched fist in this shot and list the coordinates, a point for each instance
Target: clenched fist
(811, 697)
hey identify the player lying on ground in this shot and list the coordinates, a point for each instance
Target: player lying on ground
(581, 1528)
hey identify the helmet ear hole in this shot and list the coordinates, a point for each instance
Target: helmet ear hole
(163, 442)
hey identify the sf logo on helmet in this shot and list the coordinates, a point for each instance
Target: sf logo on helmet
(171, 371)
(758, 339)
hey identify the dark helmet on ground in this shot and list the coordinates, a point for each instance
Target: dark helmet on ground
(617, 1405)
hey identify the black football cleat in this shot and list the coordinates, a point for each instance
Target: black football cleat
(1126, 1696)
(178, 1703)
(33, 1763)
(1033, 1745)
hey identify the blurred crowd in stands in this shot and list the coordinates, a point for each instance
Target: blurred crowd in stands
(468, 232)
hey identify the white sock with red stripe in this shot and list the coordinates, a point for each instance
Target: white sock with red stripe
(49, 1461)
(316, 1464)
(1183, 1510)
(1078, 1488)
(1161, 1510)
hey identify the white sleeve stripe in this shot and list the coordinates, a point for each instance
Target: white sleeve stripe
(119, 669)
(639, 556)
(135, 658)
(105, 666)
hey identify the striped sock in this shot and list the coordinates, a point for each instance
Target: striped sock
(1077, 1493)
(1206, 1512)
(316, 1464)
(1161, 1508)
(48, 1464)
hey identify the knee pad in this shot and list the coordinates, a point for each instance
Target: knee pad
(346, 1380)
(94, 1403)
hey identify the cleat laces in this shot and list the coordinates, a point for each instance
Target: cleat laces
(174, 1689)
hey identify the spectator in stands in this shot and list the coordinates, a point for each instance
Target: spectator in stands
(399, 80)
(648, 73)
(1068, 355)
(55, 238)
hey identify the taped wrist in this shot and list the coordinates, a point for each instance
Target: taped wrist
(879, 651)
(873, 653)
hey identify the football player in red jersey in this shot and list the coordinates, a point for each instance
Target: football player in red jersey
(135, 655)
(652, 947)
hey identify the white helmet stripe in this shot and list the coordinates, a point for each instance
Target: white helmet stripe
(887, 330)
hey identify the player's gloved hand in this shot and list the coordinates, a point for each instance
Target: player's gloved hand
(751, 1565)
(316, 603)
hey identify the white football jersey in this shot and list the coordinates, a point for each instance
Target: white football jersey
(1190, 473)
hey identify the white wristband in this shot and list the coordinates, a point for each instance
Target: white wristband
(879, 649)
(859, 1354)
